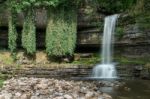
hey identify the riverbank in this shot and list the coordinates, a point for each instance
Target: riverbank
(42, 88)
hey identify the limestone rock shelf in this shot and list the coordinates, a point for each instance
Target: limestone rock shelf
(124, 71)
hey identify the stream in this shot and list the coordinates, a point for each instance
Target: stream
(133, 89)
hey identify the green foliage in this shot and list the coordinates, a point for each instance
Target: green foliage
(29, 32)
(87, 61)
(142, 13)
(12, 32)
(5, 58)
(1, 82)
(122, 60)
(70, 30)
(115, 6)
(3, 6)
(68, 25)
(21, 5)
(3, 77)
(14, 56)
(61, 32)
(127, 60)
(143, 21)
(139, 8)
(119, 32)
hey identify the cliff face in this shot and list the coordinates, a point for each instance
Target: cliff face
(131, 36)
(130, 39)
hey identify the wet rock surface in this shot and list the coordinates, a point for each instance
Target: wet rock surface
(42, 88)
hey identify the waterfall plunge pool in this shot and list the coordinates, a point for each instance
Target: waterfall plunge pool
(132, 89)
(121, 88)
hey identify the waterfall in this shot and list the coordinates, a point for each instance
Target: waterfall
(107, 69)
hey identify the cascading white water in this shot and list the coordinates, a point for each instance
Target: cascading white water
(107, 69)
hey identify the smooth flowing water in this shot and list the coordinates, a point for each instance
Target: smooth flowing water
(107, 69)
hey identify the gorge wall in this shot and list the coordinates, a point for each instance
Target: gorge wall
(130, 39)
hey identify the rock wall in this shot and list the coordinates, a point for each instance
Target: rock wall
(73, 71)
(129, 38)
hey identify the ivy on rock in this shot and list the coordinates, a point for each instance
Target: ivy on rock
(21, 5)
(61, 32)
(12, 32)
(61, 28)
(29, 32)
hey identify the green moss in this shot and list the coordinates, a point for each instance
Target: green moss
(3, 76)
(126, 61)
(87, 61)
(141, 14)
(143, 21)
(1, 82)
(119, 32)
(6, 59)
(95, 59)
(2, 79)
(119, 59)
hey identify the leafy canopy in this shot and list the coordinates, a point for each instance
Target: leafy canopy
(114, 6)
(20, 5)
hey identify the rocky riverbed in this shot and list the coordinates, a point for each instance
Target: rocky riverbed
(42, 88)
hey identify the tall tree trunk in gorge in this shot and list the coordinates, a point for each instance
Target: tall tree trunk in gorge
(12, 32)
(29, 32)
(61, 32)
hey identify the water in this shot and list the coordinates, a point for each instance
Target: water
(107, 69)
(133, 89)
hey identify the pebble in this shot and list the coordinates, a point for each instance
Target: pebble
(43, 88)
(68, 97)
